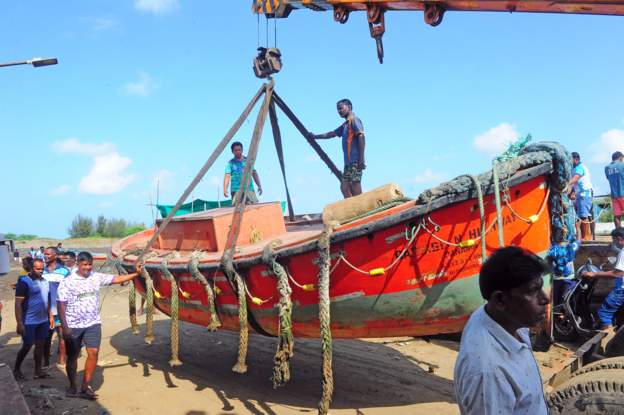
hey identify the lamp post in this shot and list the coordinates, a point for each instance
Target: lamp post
(36, 62)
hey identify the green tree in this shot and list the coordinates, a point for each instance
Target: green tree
(115, 227)
(81, 227)
(100, 225)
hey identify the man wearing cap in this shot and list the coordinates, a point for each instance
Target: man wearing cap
(496, 372)
(584, 192)
(615, 176)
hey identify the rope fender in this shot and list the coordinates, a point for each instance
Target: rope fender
(243, 333)
(131, 297)
(174, 329)
(324, 319)
(286, 343)
(215, 323)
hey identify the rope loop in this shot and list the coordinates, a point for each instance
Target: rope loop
(215, 322)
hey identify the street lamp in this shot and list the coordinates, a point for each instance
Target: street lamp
(36, 62)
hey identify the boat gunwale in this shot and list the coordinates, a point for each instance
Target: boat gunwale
(381, 220)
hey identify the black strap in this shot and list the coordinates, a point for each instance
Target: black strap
(241, 199)
(304, 132)
(213, 157)
(277, 137)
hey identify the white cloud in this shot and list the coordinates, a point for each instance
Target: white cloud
(108, 175)
(156, 6)
(428, 176)
(609, 142)
(73, 145)
(60, 190)
(102, 23)
(144, 87)
(496, 140)
(164, 180)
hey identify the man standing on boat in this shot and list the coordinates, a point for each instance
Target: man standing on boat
(495, 371)
(584, 192)
(615, 176)
(234, 176)
(353, 143)
(79, 311)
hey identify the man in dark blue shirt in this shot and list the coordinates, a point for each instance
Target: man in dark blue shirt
(615, 176)
(33, 317)
(353, 143)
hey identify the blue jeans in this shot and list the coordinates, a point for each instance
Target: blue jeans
(610, 306)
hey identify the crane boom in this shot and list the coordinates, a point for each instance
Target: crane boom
(433, 10)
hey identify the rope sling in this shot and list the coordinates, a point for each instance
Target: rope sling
(174, 333)
(325, 319)
(215, 323)
(286, 342)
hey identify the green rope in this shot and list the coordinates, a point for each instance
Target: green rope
(149, 305)
(131, 299)
(497, 201)
(215, 323)
(481, 216)
(514, 149)
(286, 343)
(324, 319)
(174, 327)
(380, 208)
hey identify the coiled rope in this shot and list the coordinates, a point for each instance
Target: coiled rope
(325, 319)
(286, 342)
(173, 329)
(215, 323)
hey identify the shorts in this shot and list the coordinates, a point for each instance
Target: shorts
(35, 332)
(90, 337)
(617, 203)
(352, 173)
(583, 206)
(252, 199)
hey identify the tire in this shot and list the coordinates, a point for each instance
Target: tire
(592, 393)
(603, 364)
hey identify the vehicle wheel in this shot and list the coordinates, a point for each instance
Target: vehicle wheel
(591, 393)
(603, 364)
(564, 330)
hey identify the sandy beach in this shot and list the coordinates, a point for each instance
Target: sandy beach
(371, 376)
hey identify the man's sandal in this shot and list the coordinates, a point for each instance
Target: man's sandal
(88, 393)
(71, 392)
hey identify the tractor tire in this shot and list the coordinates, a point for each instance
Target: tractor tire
(603, 364)
(591, 393)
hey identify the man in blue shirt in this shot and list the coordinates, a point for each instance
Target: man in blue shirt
(33, 317)
(54, 272)
(353, 144)
(615, 176)
(495, 371)
(234, 176)
(584, 193)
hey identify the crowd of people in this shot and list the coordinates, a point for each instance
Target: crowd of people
(59, 293)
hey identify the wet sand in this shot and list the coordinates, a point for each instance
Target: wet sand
(371, 376)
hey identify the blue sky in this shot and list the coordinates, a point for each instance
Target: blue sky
(146, 88)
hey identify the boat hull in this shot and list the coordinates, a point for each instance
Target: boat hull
(431, 289)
